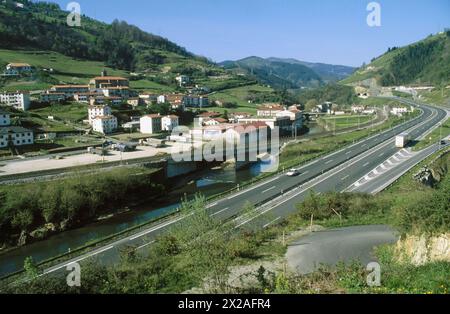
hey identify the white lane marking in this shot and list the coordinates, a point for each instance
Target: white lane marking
(348, 153)
(77, 260)
(329, 161)
(268, 189)
(366, 164)
(220, 211)
(320, 180)
(268, 224)
(381, 155)
(345, 177)
(143, 246)
(212, 205)
(158, 227)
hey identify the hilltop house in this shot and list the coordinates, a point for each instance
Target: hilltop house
(182, 80)
(106, 82)
(17, 100)
(17, 68)
(15, 136)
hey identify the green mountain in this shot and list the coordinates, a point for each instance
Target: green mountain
(424, 62)
(275, 73)
(289, 73)
(328, 72)
(42, 27)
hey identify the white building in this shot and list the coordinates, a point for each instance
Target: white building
(196, 101)
(182, 80)
(214, 121)
(17, 68)
(399, 110)
(52, 97)
(18, 100)
(5, 118)
(149, 98)
(357, 109)
(104, 124)
(98, 111)
(15, 136)
(270, 110)
(151, 124)
(168, 123)
(118, 91)
(70, 90)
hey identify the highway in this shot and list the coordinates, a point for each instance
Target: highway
(276, 197)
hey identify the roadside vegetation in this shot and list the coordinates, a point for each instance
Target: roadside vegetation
(31, 211)
(203, 257)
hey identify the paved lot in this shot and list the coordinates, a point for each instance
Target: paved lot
(46, 163)
(328, 247)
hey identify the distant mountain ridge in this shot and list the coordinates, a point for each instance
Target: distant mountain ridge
(288, 73)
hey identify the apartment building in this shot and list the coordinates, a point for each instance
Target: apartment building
(107, 82)
(168, 123)
(98, 111)
(17, 100)
(70, 90)
(151, 124)
(104, 124)
(15, 136)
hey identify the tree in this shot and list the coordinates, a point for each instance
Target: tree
(311, 104)
(30, 268)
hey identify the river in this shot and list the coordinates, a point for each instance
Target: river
(207, 182)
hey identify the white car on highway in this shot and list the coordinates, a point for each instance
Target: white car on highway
(293, 172)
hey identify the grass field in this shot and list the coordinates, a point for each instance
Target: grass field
(66, 69)
(239, 96)
(73, 112)
(342, 122)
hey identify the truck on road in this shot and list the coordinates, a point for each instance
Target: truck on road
(402, 140)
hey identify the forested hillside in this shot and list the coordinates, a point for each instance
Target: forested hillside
(41, 25)
(424, 62)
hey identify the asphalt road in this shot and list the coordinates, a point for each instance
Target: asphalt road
(276, 197)
(328, 247)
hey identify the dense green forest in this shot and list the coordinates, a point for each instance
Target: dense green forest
(278, 74)
(424, 62)
(41, 25)
(336, 93)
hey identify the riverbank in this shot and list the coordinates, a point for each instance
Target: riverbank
(215, 187)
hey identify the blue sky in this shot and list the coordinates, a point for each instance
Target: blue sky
(329, 31)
